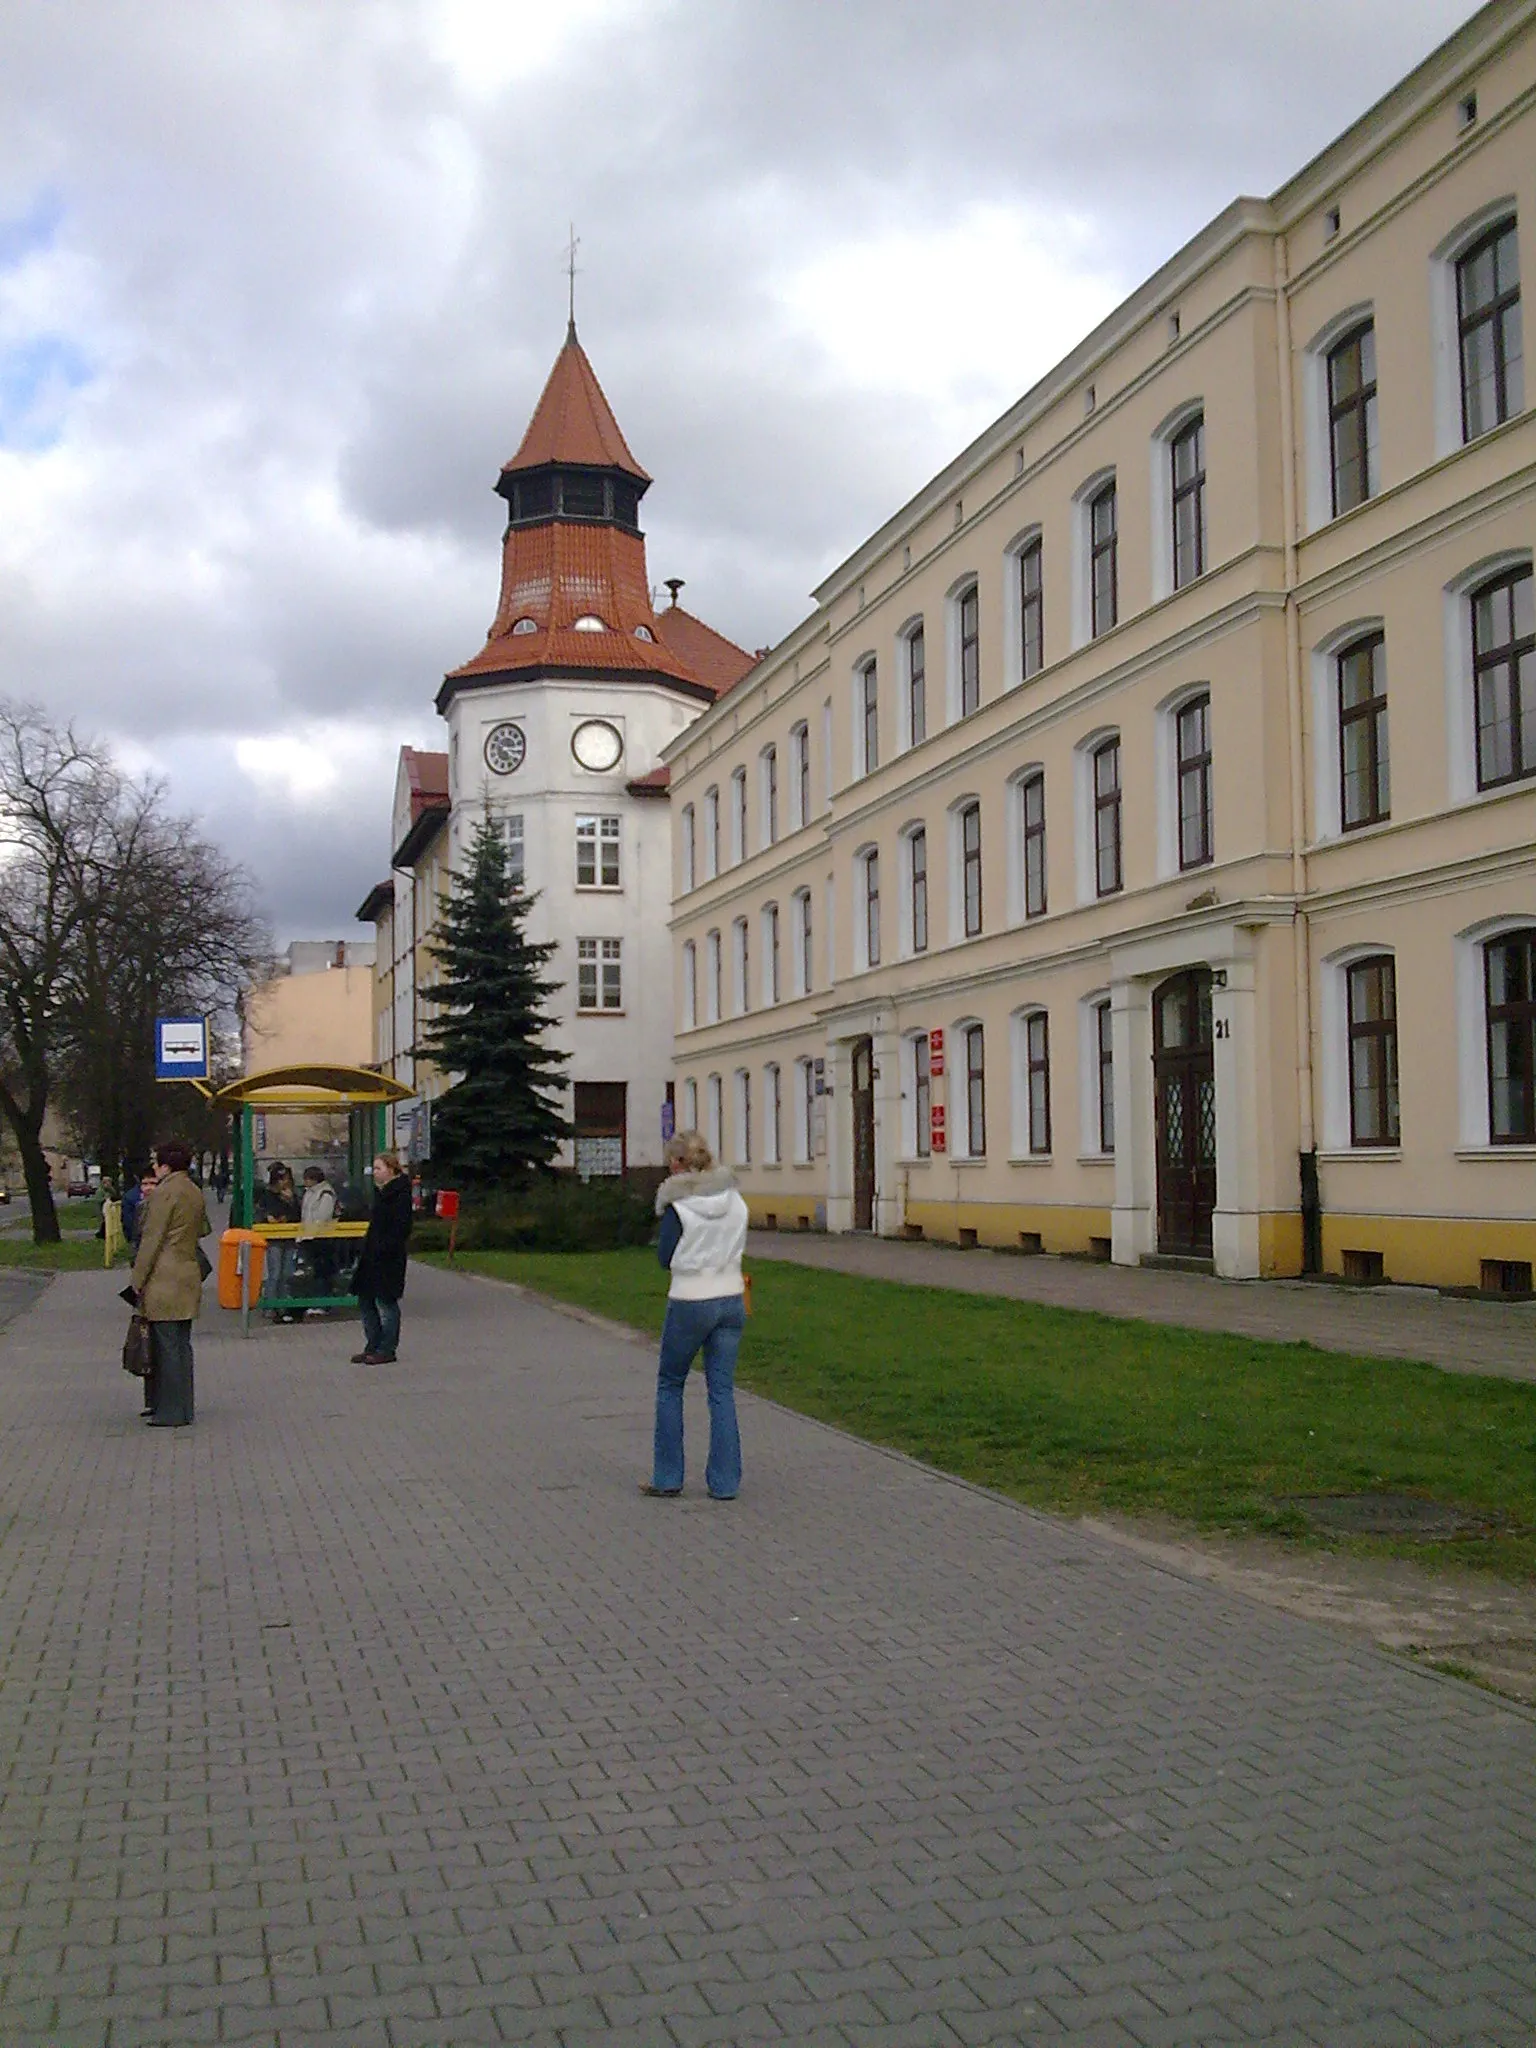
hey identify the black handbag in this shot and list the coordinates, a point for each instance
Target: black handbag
(138, 1354)
(204, 1263)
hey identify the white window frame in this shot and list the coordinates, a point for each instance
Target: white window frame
(514, 840)
(690, 985)
(1474, 1113)
(910, 1041)
(1327, 795)
(830, 913)
(902, 668)
(711, 832)
(741, 1119)
(805, 1084)
(768, 796)
(826, 755)
(714, 1113)
(1083, 822)
(1165, 765)
(906, 922)
(1013, 608)
(606, 831)
(603, 955)
(713, 971)
(1018, 1037)
(1317, 441)
(1460, 706)
(1333, 1019)
(773, 1111)
(741, 968)
(802, 975)
(866, 663)
(958, 1087)
(953, 597)
(1444, 323)
(738, 816)
(690, 1104)
(799, 786)
(1090, 1132)
(862, 857)
(771, 942)
(1082, 553)
(1014, 812)
(688, 848)
(1163, 437)
(958, 935)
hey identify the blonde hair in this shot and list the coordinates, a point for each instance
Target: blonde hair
(687, 1152)
(391, 1160)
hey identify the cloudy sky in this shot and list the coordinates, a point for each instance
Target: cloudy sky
(280, 281)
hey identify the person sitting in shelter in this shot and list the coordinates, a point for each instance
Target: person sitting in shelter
(316, 1209)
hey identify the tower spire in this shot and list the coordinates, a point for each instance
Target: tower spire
(570, 269)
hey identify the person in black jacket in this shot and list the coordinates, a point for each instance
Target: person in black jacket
(379, 1280)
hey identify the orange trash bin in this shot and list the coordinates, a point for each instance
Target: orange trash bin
(229, 1266)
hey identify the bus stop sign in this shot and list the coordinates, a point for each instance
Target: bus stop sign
(181, 1048)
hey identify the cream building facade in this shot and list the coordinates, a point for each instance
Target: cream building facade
(1134, 853)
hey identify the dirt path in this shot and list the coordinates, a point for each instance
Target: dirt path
(1473, 1624)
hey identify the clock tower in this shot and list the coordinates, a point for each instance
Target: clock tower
(557, 726)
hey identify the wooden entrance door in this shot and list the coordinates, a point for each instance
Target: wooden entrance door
(863, 1134)
(1185, 1081)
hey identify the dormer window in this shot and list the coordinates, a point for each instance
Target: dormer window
(526, 626)
(644, 633)
(589, 622)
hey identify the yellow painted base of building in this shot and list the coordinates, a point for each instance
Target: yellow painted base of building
(774, 1212)
(1427, 1251)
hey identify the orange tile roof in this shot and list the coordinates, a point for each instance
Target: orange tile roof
(714, 659)
(573, 421)
(427, 776)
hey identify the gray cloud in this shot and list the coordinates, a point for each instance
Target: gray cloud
(290, 276)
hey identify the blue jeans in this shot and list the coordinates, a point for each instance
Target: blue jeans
(714, 1327)
(381, 1325)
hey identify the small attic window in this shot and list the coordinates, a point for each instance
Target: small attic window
(526, 626)
(1331, 223)
(1466, 110)
(644, 633)
(589, 622)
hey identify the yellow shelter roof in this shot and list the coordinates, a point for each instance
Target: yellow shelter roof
(313, 1088)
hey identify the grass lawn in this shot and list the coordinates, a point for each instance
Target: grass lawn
(72, 1255)
(1082, 1413)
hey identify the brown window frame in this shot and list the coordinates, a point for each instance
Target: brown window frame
(1374, 1038)
(1517, 1018)
(1508, 656)
(917, 858)
(771, 795)
(1352, 416)
(969, 606)
(1037, 1064)
(805, 937)
(1031, 608)
(1106, 804)
(917, 684)
(773, 953)
(975, 1091)
(1104, 606)
(922, 1098)
(1196, 821)
(1371, 714)
(1032, 825)
(869, 700)
(1508, 393)
(970, 869)
(1187, 491)
(773, 1122)
(802, 740)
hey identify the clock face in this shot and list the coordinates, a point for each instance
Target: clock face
(597, 745)
(505, 747)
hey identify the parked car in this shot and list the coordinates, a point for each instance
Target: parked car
(79, 1190)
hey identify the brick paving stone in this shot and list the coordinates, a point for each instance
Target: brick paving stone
(379, 1707)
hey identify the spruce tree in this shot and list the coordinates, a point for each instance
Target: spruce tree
(498, 1124)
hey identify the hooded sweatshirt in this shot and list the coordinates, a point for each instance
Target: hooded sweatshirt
(710, 1234)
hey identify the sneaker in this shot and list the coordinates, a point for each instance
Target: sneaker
(660, 1492)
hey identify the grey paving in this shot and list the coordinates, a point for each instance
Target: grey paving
(1456, 1332)
(379, 1708)
(18, 1291)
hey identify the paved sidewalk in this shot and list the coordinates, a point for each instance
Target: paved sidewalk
(380, 1708)
(1494, 1337)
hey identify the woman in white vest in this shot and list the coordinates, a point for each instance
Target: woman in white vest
(703, 1231)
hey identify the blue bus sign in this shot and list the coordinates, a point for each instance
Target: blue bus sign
(181, 1048)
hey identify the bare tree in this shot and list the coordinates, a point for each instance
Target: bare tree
(113, 911)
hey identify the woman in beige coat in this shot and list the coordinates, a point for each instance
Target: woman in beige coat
(168, 1282)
